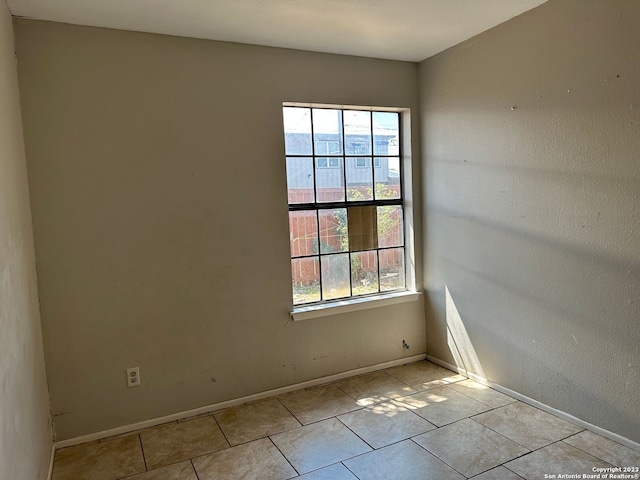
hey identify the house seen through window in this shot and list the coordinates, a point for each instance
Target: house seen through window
(346, 218)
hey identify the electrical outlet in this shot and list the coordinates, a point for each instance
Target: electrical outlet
(133, 377)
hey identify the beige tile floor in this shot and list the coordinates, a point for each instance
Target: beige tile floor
(417, 421)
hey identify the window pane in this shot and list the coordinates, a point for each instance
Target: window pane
(363, 228)
(335, 276)
(387, 178)
(357, 132)
(391, 269)
(359, 179)
(305, 274)
(327, 131)
(300, 180)
(303, 233)
(329, 179)
(386, 134)
(333, 230)
(297, 130)
(364, 272)
(390, 226)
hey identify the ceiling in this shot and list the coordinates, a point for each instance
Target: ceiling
(409, 30)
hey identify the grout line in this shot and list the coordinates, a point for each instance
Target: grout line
(283, 455)
(132, 475)
(524, 446)
(194, 469)
(290, 413)
(343, 391)
(584, 451)
(400, 441)
(480, 401)
(503, 465)
(356, 456)
(326, 466)
(436, 456)
(501, 434)
(352, 472)
(590, 453)
(360, 407)
(356, 434)
(221, 431)
(144, 459)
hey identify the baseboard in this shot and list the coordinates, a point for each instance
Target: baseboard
(53, 455)
(534, 403)
(237, 401)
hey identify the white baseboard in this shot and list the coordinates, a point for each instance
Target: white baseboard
(53, 455)
(237, 401)
(534, 403)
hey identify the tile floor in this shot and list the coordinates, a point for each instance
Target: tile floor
(417, 421)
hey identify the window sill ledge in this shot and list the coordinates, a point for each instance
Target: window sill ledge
(353, 305)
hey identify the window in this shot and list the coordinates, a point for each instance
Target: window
(346, 216)
(326, 147)
(328, 163)
(361, 163)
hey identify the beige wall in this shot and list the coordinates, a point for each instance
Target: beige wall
(531, 137)
(159, 201)
(25, 430)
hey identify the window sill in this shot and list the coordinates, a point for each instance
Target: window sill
(352, 305)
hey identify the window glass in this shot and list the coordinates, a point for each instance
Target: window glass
(303, 232)
(386, 133)
(327, 131)
(357, 131)
(390, 226)
(359, 179)
(305, 276)
(334, 236)
(392, 274)
(335, 276)
(297, 130)
(387, 178)
(300, 180)
(364, 272)
(346, 217)
(329, 179)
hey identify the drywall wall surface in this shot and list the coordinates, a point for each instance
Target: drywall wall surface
(25, 427)
(158, 189)
(531, 141)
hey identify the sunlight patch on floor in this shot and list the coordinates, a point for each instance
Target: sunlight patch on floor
(389, 409)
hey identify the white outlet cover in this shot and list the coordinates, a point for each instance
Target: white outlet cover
(133, 377)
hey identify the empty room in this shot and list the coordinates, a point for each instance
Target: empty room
(338, 239)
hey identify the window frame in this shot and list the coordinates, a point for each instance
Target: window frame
(374, 157)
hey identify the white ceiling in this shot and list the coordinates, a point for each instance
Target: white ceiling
(392, 29)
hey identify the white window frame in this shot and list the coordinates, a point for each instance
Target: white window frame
(410, 293)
